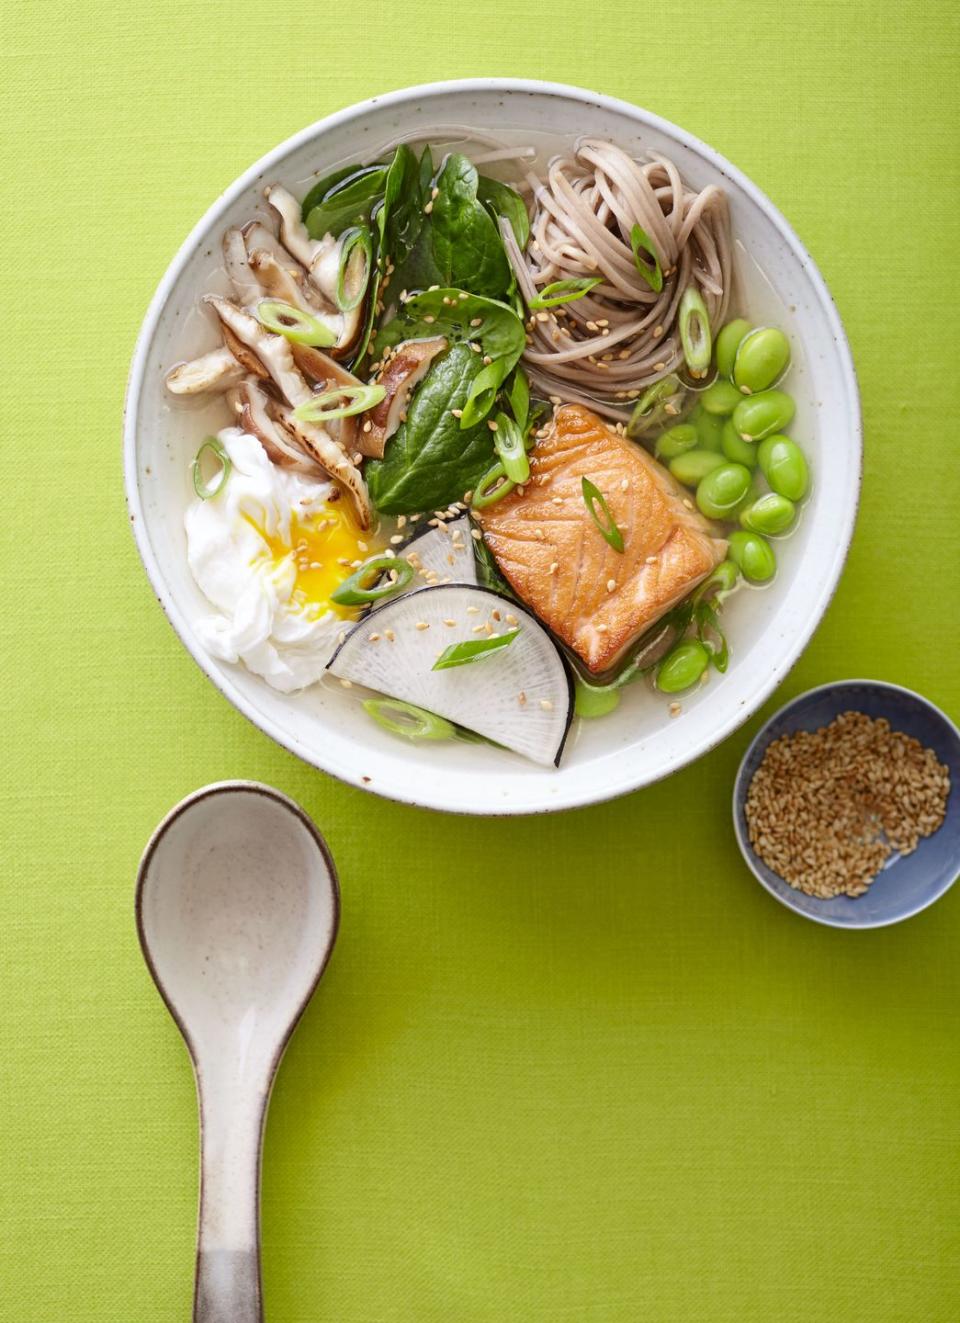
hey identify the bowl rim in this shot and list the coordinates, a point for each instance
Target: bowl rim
(762, 736)
(611, 788)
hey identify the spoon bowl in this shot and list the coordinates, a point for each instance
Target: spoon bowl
(237, 911)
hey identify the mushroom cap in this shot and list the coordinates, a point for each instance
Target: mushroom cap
(404, 369)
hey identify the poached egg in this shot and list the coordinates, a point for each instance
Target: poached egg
(267, 550)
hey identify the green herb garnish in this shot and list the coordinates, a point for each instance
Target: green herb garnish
(594, 499)
(462, 654)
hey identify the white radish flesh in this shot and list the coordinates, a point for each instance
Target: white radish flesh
(519, 695)
(443, 554)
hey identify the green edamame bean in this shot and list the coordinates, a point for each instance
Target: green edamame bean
(692, 467)
(676, 441)
(728, 342)
(721, 397)
(754, 555)
(594, 700)
(762, 358)
(709, 428)
(755, 490)
(722, 490)
(760, 415)
(770, 515)
(783, 465)
(682, 667)
(736, 449)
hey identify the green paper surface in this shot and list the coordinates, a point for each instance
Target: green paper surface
(575, 1069)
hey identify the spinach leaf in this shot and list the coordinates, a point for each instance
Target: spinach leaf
(457, 242)
(349, 202)
(459, 316)
(430, 460)
(502, 200)
(323, 186)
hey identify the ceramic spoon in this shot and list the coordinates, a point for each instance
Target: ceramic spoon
(237, 911)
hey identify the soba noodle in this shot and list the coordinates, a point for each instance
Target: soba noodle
(603, 349)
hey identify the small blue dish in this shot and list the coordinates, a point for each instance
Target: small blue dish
(906, 885)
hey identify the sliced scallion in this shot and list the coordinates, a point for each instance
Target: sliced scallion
(695, 337)
(322, 408)
(564, 291)
(508, 443)
(294, 324)
(594, 499)
(711, 635)
(412, 723)
(206, 490)
(462, 654)
(649, 408)
(364, 586)
(355, 265)
(492, 487)
(518, 393)
(651, 272)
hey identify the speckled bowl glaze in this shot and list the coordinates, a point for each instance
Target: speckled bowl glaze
(768, 629)
(907, 885)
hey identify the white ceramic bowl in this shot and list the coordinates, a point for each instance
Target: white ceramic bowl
(768, 629)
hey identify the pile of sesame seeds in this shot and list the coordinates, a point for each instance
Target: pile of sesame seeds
(827, 808)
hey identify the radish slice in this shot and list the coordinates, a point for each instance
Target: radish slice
(442, 555)
(519, 696)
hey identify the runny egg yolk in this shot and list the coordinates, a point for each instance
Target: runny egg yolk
(324, 547)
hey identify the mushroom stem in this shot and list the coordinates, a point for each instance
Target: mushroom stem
(320, 445)
(216, 371)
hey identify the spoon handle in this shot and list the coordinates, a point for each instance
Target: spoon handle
(228, 1288)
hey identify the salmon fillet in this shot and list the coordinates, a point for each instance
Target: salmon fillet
(596, 600)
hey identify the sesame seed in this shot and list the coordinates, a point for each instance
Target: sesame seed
(430, 319)
(624, 484)
(422, 624)
(546, 704)
(342, 636)
(368, 426)
(362, 546)
(476, 321)
(688, 503)
(521, 698)
(473, 610)
(611, 584)
(487, 359)
(657, 332)
(554, 399)
(650, 560)
(373, 638)
(511, 619)
(554, 566)
(428, 208)
(492, 425)
(389, 635)
(396, 539)
(347, 684)
(435, 192)
(671, 409)
(674, 709)
(401, 521)
(477, 629)
(457, 413)
(476, 534)
(601, 629)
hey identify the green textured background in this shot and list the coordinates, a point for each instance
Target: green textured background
(568, 1070)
